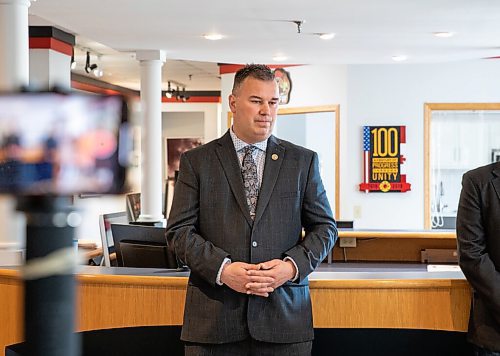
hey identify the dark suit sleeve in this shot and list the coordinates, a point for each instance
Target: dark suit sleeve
(475, 261)
(318, 222)
(201, 256)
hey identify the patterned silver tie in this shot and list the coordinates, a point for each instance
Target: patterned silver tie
(250, 179)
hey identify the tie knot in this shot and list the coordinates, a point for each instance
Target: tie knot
(249, 149)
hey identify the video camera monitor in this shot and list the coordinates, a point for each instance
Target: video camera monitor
(62, 144)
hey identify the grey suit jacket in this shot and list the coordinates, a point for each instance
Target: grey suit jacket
(478, 234)
(209, 221)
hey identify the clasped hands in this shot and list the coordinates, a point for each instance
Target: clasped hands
(257, 279)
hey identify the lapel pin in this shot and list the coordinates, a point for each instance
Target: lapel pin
(274, 157)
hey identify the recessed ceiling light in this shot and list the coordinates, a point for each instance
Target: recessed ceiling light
(326, 36)
(213, 36)
(443, 34)
(399, 58)
(280, 58)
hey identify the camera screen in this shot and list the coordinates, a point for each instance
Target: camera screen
(61, 144)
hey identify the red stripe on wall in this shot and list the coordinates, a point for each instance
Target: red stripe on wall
(193, 99)
(93, 88)
(50, 43)
(98, 90)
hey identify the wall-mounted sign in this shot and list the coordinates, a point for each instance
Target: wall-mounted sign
(382, 159)
(284, 84)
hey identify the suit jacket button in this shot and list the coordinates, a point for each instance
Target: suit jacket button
(254, 244)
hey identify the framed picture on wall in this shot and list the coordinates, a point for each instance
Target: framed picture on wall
(175, 147)
(495, 155)
(133, 206)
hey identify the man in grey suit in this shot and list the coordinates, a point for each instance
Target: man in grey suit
(478, 234)
(239, 207)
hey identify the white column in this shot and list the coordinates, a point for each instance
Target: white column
(14, 44)
(151, 182)
(14, 73)
(49, 69)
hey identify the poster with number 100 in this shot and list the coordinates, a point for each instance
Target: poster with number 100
(382, 159)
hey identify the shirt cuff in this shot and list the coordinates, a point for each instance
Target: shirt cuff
(217, 280)
(288, 258)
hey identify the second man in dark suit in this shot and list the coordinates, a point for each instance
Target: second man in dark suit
(478, 235)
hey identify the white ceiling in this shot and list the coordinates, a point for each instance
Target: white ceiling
(367, 31)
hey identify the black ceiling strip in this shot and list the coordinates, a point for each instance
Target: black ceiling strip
(52, 32)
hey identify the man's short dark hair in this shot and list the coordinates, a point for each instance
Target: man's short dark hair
(257, 71)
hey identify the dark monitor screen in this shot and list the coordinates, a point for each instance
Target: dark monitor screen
(142, 246)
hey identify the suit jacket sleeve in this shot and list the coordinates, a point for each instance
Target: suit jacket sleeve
(202, 257)
(472, 242)
(318, 222)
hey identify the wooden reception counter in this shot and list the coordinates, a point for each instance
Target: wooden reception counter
(393, 245)
(399, 296)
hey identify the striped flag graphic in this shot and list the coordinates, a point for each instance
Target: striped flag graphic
(366, 153)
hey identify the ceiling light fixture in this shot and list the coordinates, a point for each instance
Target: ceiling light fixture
(89, 67)
(73, 63)
(169, 91)
(98, 72)
(184, 96)
(299, 24)
(177, 93)
(399, 58)
(326, 36)
(213, 36)
(443, 34)
(93, 68)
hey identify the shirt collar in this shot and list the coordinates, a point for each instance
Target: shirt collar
(240, 144)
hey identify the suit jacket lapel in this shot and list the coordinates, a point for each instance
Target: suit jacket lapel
(271, 171)
(229, 161)
(496, 180)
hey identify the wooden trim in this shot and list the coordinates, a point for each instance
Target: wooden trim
(430, 234)
(387, 283)
(9, 274)
(427, 192)
(108, 279)
(181, 282)
(428, 108)
(337, 162)
(463, 106)
(307, 109)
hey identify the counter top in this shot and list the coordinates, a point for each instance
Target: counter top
(400, 234)
(335, 271)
